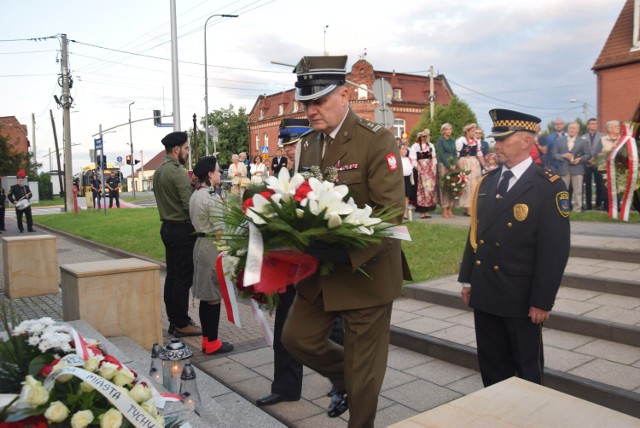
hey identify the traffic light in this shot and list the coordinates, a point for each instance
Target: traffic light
(157, 117)
(128, 159)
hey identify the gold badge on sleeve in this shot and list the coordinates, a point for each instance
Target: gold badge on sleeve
(520, 212)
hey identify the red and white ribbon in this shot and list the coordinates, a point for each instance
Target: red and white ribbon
(227, 289)
(632, 177)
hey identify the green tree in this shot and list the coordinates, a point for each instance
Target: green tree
(10, 161)
(457, 113)
(233, 133)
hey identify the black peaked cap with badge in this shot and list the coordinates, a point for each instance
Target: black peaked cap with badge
(291, 130)
(508, 122)
(319, 75)
(176, 138)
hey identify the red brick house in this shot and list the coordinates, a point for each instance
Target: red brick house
(15, 132)
(410, 97)
(618, 68)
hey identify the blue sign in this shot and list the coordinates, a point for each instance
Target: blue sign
(98, 143)
(119, 158)
(265, 150)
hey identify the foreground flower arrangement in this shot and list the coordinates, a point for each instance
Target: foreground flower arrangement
(66, 382)
(454, 182)
(267, 233)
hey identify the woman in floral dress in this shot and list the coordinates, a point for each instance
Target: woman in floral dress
(446, 151)
(424, 154)
(469, 159)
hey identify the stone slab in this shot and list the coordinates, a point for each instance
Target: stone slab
(30, 265)
(518, 403)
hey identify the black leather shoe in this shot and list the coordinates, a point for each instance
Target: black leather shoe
(226, 347)
(338, 405)
(271, 399)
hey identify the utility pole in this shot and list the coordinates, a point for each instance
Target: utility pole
(142, 170)
(66, 125)
(133, 162)
(432, 95)
(174, 69)
(33, 140)
(195, 137)
(55, 140)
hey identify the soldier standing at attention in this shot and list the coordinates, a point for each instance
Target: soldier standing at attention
(368, 162)
(172, 190)
(515, 256)
(113, 184)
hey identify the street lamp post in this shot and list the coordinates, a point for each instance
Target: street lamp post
(585, 109)
(133, 162)
(206, 86)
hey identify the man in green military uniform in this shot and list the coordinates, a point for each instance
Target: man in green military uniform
(516, 253)
(172, 189)
(368, 162)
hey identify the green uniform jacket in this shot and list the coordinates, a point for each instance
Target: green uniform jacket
(173, 190)
(368, 161)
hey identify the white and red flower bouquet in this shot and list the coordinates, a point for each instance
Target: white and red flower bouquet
(454, 182)
(51, 377)
(267, 233)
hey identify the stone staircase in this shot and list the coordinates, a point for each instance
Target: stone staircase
(592, 340)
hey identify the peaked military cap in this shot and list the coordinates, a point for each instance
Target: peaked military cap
(176, 138)
(291, 130)
(507, 122)
(319, 75)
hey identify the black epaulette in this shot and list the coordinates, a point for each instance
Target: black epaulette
(548, 175)
(370, 126)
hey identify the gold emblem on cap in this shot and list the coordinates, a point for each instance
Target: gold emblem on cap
(520, 212)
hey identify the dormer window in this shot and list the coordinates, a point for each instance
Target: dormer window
(397, 94)
(280, 109)
(261, 113)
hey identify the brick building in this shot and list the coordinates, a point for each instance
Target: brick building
(410, 97)
(16, 134)
(618, 68)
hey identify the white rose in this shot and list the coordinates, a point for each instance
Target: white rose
(149, 407)
(111, 419)
(37, 395)
(123, 377)
(31, 381)
(62, 378)
(81, 419)
(57, 412)
(85, 387)
(160, 419)
(92, 364)
(108, 370)
(140, 393)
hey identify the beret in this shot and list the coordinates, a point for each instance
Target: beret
(175, 139)
(204, 166)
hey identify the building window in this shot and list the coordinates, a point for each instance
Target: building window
(295, 106)
(362, 92)
(636, 25)
(261, 113)
(398, 127)
(258, 143)
(280, 109)
(266, 140)
(397, 94)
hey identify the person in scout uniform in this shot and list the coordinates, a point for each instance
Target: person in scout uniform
(172, 189)
(516, 253)
(368, 162)
(20, 196)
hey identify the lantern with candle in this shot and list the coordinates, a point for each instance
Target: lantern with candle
(176, 355)
(189, 389)
(155, 371)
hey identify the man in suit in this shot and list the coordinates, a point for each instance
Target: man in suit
(278, 162)
(515, 256)
(572, 153)
(590, 169)
(368, 162)
(548, 159)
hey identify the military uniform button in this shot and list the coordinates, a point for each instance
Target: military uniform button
(509, 225)
(478, 262)
(496, 268)
(481, 241)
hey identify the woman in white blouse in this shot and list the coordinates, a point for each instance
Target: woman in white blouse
(258, 170)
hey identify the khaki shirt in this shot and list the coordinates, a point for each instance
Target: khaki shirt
(205, 209)
(173, 190)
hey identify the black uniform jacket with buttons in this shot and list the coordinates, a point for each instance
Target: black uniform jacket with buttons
(368, 162)
(523, 244)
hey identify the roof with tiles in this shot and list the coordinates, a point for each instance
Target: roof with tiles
(16, 133)
(618, 49)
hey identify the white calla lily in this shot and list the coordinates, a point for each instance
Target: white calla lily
(362, 217)
(334, 220)
(284, 184)
(260, 204)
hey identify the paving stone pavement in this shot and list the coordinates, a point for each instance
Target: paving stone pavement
(414, 382)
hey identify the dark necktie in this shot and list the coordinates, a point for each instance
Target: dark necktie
(503, 185)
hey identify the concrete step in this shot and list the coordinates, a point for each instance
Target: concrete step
(605, 276)
(606, 248)
(597, 370)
